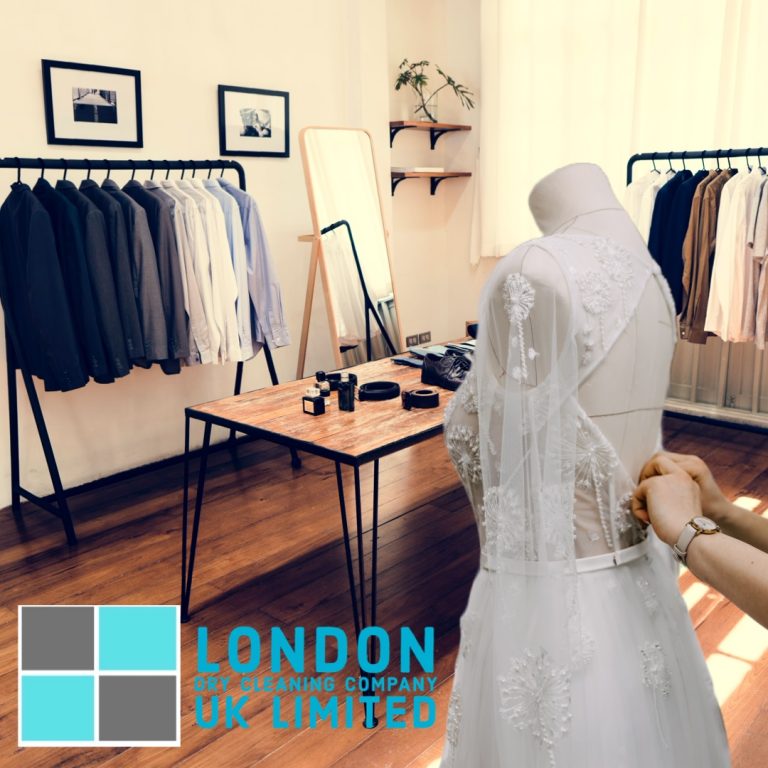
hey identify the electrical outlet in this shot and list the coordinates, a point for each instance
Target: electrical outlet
(411, 341)
(425, 337)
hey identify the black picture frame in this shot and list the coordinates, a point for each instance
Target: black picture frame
(252, 103)
(64, 117)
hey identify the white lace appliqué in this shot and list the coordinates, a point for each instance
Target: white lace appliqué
(504, 522)
(464, 449)
(655, 672)
(468, 392)
(536, 697)
(558, 521)
(617, 262)
(593, 460)
(454, 717)
(466, 623)
(623, 518)
(518, 302)
(650, 600)
(597, 296)
(598, 290)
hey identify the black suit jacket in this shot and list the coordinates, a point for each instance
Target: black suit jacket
(117, 240)
(661, 209)
(74, 269)
(33, 294)
(94, 233)
(671, 257)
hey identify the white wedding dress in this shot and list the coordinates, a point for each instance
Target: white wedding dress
(576, 647)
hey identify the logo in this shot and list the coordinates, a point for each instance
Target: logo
(99, 675)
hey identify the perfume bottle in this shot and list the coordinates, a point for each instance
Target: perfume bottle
(346, 393)
(313, 402)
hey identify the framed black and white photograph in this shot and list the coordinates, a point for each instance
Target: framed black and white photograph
(92, 105)
(253, 121)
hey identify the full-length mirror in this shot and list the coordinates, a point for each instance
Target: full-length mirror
(350, 247)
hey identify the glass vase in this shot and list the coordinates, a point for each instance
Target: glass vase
(426, 109)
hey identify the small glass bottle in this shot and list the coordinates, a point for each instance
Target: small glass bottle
(346, 393)
(312, 402)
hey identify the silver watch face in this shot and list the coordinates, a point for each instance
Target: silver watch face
(705, 523)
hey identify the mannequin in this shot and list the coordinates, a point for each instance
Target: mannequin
(576, 650)
(625, 400)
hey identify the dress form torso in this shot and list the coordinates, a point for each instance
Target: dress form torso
(625, 394)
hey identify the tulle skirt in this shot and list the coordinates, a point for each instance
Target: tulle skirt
(643, 699)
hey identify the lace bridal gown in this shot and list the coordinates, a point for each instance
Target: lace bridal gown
(576, 647)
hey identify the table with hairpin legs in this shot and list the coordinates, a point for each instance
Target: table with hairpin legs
(348, 438)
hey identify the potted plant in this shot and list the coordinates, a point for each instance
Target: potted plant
(414, 75)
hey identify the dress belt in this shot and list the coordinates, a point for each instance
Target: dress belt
(582, 564)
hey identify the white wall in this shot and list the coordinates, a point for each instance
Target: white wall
(437, 286)
(330, 56)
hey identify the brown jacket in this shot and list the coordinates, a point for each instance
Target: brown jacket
(698, 252)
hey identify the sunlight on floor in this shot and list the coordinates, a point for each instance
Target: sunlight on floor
(748, 502)
(694, 593)
(727, 674)
(745, 643)
(434, 763)
(748, 640)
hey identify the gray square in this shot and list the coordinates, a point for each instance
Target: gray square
(137, 708)
(56, 637)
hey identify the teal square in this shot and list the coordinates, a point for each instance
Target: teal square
(57, 708)
(137, 637)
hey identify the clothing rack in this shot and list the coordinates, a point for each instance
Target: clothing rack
(56, 503)
(723, 410)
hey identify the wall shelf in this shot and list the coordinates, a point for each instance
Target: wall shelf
(436, 130)
(434, 177)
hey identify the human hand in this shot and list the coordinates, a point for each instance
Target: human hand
(714, 505)
(667, 500)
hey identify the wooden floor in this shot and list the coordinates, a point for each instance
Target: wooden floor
(271, 554)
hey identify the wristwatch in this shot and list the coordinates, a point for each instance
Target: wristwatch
(692, 529)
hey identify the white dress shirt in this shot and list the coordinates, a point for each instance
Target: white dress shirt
(201, 265)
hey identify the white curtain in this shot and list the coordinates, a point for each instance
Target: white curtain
(597, 80)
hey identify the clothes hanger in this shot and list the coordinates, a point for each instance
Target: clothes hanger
(728, 158)
(653, 160)
(682, 159)
(66, 168)
(167, 169)
(183, 168)
(703, 164)
(210, 168)
(193, 168)
(18, 170)
(133, 169)
(669, 160)
(759, 161)
(88, 164)
(109, 167)
(42, 167)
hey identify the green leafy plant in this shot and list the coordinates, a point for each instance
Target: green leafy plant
(414, 75)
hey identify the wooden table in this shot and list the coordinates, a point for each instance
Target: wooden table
(374, 429)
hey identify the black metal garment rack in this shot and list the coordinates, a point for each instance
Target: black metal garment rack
(56, 503)
(697, 154)
(713, 414)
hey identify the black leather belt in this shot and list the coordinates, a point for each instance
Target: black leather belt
(420, 398)
(378, 390)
